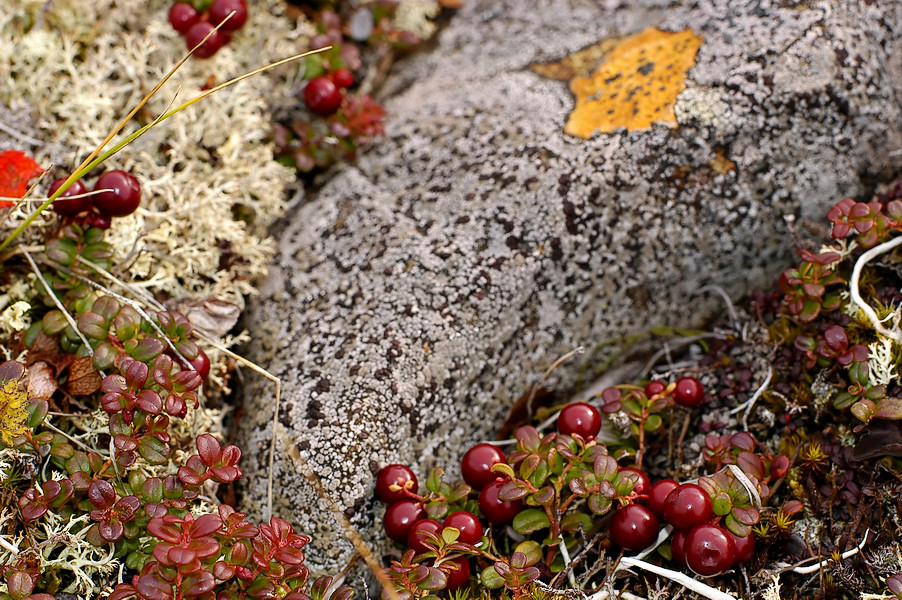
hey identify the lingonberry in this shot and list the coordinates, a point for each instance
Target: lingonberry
(343, 78)
(678, 547)
(196, 34)
(579, 418)
(687, 505)
(654, 387)
(201, 364)
(493, 508)
(458, 577)
(399, 475)
(656, 495)
(322, 96)
(182, 16)
(709, 550)
(67, 206)
(476, 465)
(121, 193)
(642, 484)
(633, 527)
(467, 523)
(95, 219)
(745, 547)
(418, 532)
(400, 517)
(688, 392)
(220, 9)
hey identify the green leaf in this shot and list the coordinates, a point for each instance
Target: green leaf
(434, 481)
(605, 467)
(437, 509)
(890, 409)
(530, 520)
(146, 350)
(746, 515)
(653, 423)
(529, 465)
(491, 579)
(810, 310)
(721, 504)
(736, 527)
(153, 450)
(539, 476)
(863, 410)
(574, 520)
(450, 535)
(504, 469)
(543, 496)
(513, 490)
(598, 504)
(435, 579)
(531, 551)
(843, 400)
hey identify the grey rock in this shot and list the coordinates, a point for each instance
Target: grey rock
(425, 289)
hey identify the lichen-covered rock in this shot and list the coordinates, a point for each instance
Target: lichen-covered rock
(422, 291)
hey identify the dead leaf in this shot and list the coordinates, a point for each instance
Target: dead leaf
(720, 164)
(578, 64)
(16, 169)
(41, 383)
(216, 317)
(636, 85)
(84, 379)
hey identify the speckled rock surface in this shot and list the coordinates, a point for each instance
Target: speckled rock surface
(421, 292)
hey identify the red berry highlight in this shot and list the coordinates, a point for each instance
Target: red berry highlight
(709, 550)
(476, 465)
(689, 392)
(121, 195)
(633, 527)
(581, 419)
(394, 475)
(467, 523)
(322, 96)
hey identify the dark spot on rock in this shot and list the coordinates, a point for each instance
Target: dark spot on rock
(355, 369)
(556, 252)
(323, 385)
(647, 68)
(513, 242)
(303, 445)
(382, 373)
(462, 220)
(349, 512)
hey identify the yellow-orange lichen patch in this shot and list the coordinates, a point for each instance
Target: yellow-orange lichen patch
(636, 85)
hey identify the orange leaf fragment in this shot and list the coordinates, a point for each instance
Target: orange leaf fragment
(636, 85)
(16, 169)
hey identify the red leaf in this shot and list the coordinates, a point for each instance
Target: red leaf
(16, 169)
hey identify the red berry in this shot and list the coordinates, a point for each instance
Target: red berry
(322, 96)
(220, 9)
(182, 16)
(95, 219)
(687, 505)
(745, 547)
(343, 78)
(467, 523)
(709, 550)
(123, 195)
(391, 475)
(70, 207)
(476, 465)
(656, 495)
(678, 547)
(196, 34)
(459, 576)
(579, 418)
(418, 531)
(642, 483)
(400, 517)
(201, 364)
(654, 387)
(493, 508)
(688, 392)
(633, 527)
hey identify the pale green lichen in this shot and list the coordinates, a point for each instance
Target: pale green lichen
(417, 17)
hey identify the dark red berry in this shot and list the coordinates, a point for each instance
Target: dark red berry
(418, 532)
(122, 194)
(494, 509)
(745, 547)
(343, 78)
(656, 495)
(687, 505)
(688, 392)
(66, 206)
(196, 34)
(395, 475)
(400, 517)
(467, 523)
(201, 364)
(182, 16)
(459, 576)
(322, 96)
(95, 219)
(476, 465)
(633, 527)
(678, 547)
(654, 387)
(579, 418)
(642, 483)
(709, 550)
(220, 9)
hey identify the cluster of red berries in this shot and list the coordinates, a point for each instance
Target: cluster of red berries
(406, 521)
(325, 93)
(195, 24)
(116, 194)
(698, 541)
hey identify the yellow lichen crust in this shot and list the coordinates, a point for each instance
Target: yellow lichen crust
(210, 186)
(13, 412)
(636, 85)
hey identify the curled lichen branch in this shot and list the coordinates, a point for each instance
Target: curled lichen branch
(877, 250)
(681, 578)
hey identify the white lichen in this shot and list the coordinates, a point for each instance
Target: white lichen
(882, 362)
